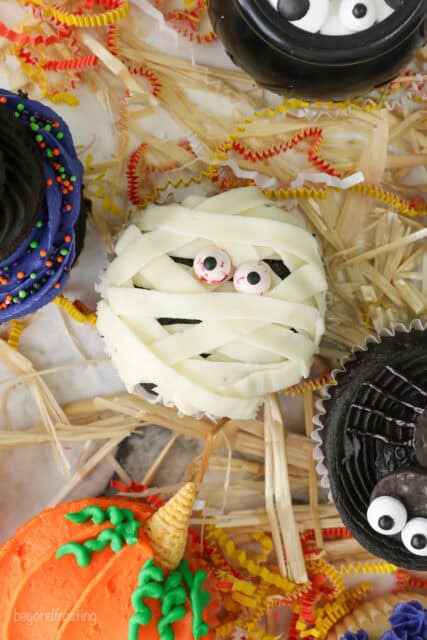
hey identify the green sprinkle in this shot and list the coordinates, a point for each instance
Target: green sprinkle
(17, 115)
(39, 224)
(49, 153)
(33, 275)
(64, 252)
(15, 299)
(22, 294)
(60, 135)
(20, 107)
(34, 127)
(34, 244)
(48, 127)
(39, 137)
(73, 178)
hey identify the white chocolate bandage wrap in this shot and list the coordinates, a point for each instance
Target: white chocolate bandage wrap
(207, 348)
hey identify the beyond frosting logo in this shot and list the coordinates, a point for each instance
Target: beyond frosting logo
(54, 615)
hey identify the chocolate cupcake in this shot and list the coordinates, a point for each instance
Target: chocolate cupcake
(43, 212)
(373, 454)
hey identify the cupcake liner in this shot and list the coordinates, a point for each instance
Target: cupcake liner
(351, 466)
(373, 616)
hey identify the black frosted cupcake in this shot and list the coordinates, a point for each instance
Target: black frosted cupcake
(373, 446)
(42, 209)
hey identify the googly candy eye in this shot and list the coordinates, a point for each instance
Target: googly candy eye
(414, 536)
(305, 14)
(384, 10)
(213, 265)
(253, 278)
(387, 515)
(356, 15)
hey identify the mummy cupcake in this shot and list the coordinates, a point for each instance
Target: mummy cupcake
(106, 568)
(43, 213)
(212, 304)
(373, 437)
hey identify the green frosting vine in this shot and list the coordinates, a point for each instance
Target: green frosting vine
(125, 531)
(173, 596)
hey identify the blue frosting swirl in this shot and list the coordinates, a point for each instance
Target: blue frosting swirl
(409, 622)
(360, 635)
(38, 269)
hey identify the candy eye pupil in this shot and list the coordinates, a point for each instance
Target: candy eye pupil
(294, 9)
(386, 523)
(419, 541)
(210, 263)
(253, 278)
(360, 10)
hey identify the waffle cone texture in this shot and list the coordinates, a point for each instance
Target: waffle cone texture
(167, 529)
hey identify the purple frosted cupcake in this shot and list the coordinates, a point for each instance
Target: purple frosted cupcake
(43, 212)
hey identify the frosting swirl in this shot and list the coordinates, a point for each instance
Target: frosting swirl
(409, 622)
(36, 271)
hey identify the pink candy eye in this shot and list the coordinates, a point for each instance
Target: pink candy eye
(213, 265)
(253, 278)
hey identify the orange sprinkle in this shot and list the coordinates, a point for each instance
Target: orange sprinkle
(21, 275)
(55, 124)
(49, 182)
(68, 238)
(57, 285)
(68, 207)
(56, 152)
(43, 145)
(49, 263)
(59, 259)
(3, 99)
(64, 192)
(43, 253)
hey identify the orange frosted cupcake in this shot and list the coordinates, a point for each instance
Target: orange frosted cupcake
(106, 568)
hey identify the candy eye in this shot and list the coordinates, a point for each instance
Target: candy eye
(387, 515)
(414, 536)
(305, 14)
(213, 265)
(358, 16)
(253, 278)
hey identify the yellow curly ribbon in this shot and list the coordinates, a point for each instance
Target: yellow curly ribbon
(255, 570)
(309, 385)
(16, 329)
(372, 566)
(63, 97)
(77, 315)
(94, 20)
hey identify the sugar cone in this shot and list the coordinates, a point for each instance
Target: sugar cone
(167, 529)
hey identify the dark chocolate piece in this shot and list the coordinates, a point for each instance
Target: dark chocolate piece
(409, 486)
